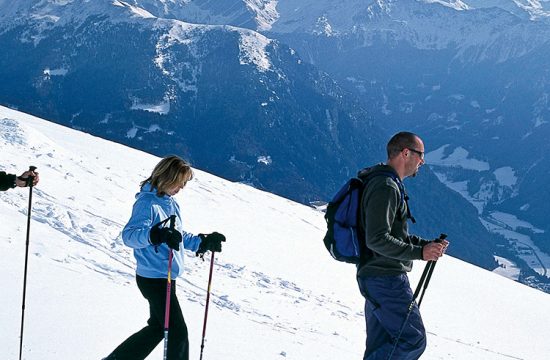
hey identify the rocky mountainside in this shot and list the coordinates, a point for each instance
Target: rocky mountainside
(236, 102)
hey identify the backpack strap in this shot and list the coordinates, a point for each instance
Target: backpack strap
(402, 192)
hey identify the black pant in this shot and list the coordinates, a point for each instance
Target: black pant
(139, 345)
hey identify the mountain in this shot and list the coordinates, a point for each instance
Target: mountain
(235, 102)
(164, 86)
(276, 292)
(471, 79)
(469, 76)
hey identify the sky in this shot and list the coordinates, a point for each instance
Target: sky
(276, 292)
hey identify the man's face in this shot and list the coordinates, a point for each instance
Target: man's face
(415, 158)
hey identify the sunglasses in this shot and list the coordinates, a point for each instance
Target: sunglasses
(419, 153)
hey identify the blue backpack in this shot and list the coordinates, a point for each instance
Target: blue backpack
(344, 238)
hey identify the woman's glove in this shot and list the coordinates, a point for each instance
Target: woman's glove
(170, 237)
(212, 242)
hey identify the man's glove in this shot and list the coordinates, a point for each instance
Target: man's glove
(212, 242)
(159, 235)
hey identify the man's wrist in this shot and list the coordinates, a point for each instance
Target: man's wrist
(13, 179)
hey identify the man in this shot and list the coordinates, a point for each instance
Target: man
(9, 181)
(389, 252)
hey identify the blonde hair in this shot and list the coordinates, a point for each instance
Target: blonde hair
(170, 172)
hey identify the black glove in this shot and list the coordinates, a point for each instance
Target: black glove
(441, 238)
(159, 235)
(212, 242)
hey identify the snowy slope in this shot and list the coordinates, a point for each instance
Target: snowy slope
(276, 292)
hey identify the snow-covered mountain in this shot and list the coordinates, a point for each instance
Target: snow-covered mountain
(160, 84)
(276, 294)
(237, 103)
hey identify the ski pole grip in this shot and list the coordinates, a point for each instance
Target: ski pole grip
(30, 179)
(441, 237)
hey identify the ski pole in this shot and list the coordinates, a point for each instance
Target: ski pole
(410, 308)
(168, 291)
(423, 283)
(422, 279)
(430, 271)
(207, 302)
(30, 181)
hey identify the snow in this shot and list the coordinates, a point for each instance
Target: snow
(266, 12)
(513, 222)
(162, 108)
(266, 160)
(461, 187)
(453, 4)
(509, 226)
(507, 268)
(137, 11)
(515, 230)
(404, 20)
(276, 292)
(185, 74)
(536, 8)
(55, 72)
(478, 26)
(506, 176)
(252, 48)
(131, 133)
(323, 27)
(458, 158)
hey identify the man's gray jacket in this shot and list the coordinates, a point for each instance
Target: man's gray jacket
(384, 218)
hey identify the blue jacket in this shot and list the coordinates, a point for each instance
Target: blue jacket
(150, 209)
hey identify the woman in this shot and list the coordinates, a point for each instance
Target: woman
(150, 235)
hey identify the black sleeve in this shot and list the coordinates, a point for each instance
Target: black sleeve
(381, 206)
(7, 181)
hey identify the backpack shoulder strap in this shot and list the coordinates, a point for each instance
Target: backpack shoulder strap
(401, 187)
